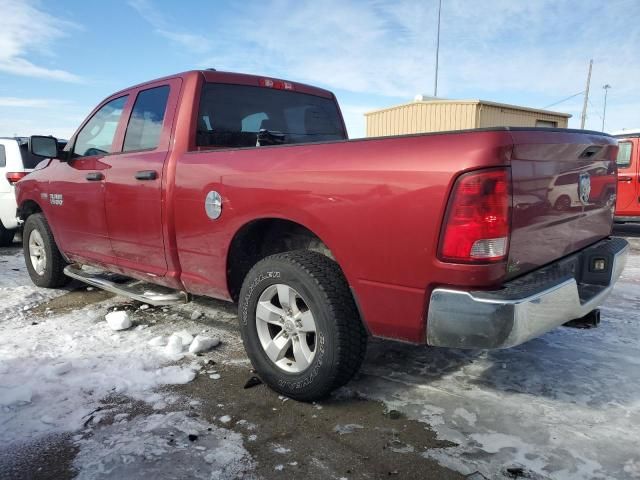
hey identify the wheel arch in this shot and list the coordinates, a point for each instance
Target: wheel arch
(27, 208)
(259, 238)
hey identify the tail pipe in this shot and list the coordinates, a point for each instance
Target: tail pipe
(590, 320)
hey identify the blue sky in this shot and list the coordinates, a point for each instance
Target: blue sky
(59, 59)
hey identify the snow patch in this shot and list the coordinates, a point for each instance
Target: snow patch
(118, 320)
(160, 446)
(203, 343)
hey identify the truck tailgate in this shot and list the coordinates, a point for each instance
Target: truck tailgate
(564, 186)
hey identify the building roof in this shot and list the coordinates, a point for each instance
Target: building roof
(473, 102)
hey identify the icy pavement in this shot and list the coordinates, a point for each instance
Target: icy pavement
(564, 406)
(57, 370)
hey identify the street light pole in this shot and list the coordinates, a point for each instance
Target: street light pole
(604, 110)
(435, 87)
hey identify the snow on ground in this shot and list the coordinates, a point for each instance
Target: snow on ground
(56, 371)
(114, 449)
(17, 292)
(564, 406)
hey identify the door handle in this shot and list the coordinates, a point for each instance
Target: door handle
(625, 179)
(146, 175)
(94, 176)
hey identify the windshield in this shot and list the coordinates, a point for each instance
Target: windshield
(234, 115)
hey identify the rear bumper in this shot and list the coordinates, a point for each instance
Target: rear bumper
(528, 306)
(8, 210)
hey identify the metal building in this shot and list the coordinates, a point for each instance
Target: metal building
(435, 115)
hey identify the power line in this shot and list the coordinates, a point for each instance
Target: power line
(563, 100)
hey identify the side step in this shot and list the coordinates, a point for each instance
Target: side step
(155, 295)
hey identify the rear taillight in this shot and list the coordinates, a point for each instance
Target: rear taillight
(478, 220)
(13, 177)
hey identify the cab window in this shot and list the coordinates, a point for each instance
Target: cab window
(236, 115)
(97, 135)
(624, 154)
(145, 124)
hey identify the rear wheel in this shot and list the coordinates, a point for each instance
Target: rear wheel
(45, 263)
(563, 203)
(300, 325)
(6, 236)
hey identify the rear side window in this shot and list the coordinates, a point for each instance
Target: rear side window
(97, 135)
(624, 154)
(145, 124)
(233, 115)
(3, 157)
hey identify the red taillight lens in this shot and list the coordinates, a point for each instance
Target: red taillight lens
(478, 221)
(13, 177)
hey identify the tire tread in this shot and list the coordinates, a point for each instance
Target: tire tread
(351, 336)
(55, 277)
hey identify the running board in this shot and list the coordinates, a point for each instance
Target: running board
(155, 295)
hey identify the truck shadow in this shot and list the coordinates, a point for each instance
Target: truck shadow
(562, 366)
(627, 230)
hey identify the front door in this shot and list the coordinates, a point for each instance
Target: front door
(77, 187)
(134, 196)
(627, 202)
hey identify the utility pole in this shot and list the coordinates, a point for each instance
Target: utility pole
(435, 87)
(604, 110)
(583, 118)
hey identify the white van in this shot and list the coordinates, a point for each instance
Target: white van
(15, 163)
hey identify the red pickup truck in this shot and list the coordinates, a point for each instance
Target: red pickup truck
(246, 188)
(628, 198)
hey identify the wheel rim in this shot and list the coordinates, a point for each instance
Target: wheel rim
(37, 253)
(286, 328)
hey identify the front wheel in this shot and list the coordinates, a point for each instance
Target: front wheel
(300, 326)
(45, 263)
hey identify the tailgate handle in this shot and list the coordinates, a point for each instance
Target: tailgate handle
(94, 176)
(625, 179)
(146, 175)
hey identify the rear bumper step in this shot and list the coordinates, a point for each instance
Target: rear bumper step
(528, 306)
(135, 289)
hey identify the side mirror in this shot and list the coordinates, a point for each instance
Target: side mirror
(41, 146)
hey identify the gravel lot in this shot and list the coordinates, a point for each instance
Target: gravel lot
(78, 399)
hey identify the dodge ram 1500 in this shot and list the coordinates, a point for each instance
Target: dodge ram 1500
(246, 188)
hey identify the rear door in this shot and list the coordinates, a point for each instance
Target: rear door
(628, 203)
(134, 180)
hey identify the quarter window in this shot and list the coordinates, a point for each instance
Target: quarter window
(3, 157)
(96, 137)
(145, 124)
(624, 154)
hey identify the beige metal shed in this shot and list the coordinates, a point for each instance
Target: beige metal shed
(434, 115)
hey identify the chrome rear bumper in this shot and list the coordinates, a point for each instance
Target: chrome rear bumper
(528, 306)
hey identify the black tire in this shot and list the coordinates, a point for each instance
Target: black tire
(563, 203)
(53, 275)
(6, 236)
(340, 341)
